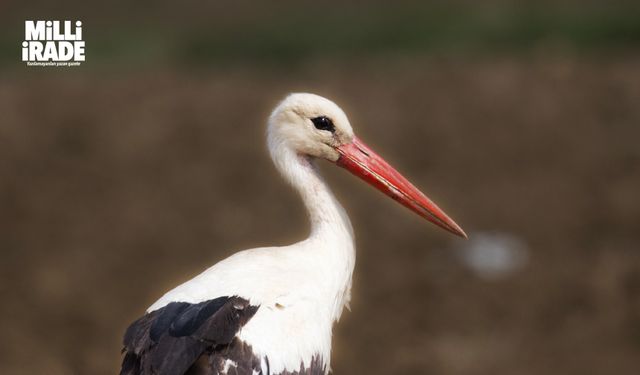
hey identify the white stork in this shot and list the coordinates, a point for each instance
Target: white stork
(271, 310)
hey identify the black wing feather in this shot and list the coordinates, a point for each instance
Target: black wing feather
(166, 318)
(191, 318)
(168, 341)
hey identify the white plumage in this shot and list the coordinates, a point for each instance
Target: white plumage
(300, 288)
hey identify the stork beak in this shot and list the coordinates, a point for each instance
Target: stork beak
(360, 160)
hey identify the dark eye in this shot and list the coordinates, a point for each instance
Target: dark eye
(323, 123)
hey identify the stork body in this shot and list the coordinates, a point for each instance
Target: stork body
(271, 310)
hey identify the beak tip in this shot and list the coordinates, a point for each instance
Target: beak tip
(458, 232)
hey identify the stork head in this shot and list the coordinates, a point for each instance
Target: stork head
(309, 124)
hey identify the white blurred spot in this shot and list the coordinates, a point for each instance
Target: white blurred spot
(494, 255)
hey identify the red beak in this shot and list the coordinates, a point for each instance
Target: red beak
(360, 160)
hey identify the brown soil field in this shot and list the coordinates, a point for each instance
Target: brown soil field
(115, 187)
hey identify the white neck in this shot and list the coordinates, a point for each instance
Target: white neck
(331, 237)
(328, 218)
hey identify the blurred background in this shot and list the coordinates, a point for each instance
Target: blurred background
(121, 178)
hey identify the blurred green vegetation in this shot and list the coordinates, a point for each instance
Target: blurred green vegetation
(285, 34)
(416, 30)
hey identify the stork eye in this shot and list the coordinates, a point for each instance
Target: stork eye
(323, 123)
